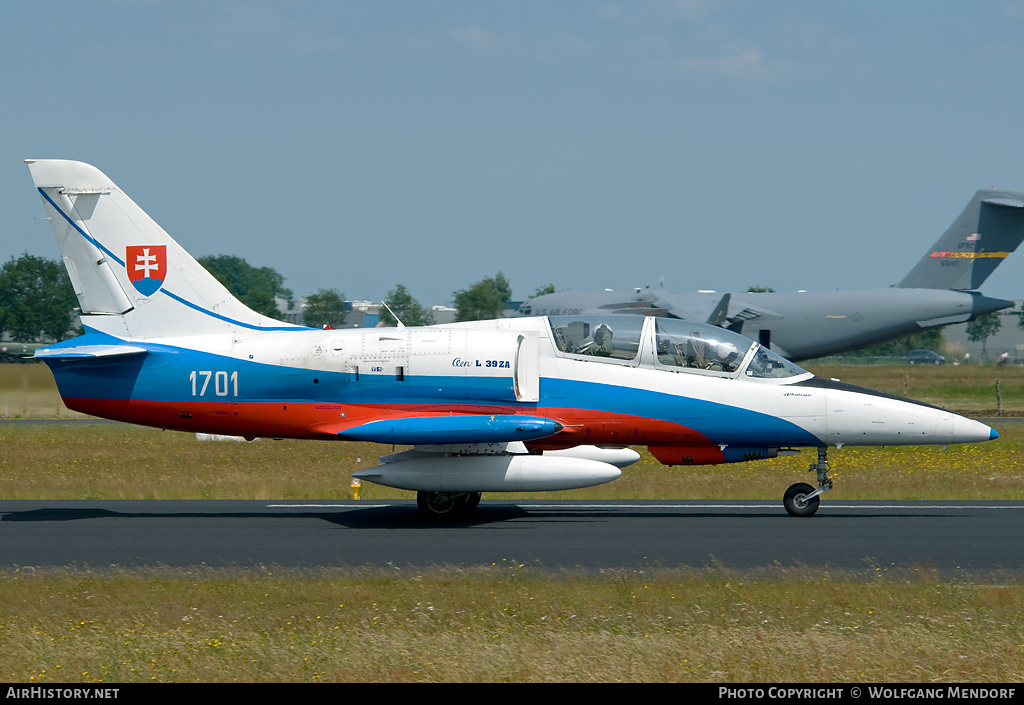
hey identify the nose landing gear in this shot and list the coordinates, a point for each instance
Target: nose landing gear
(801, 500)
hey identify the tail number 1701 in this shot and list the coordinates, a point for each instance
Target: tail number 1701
(223, 383)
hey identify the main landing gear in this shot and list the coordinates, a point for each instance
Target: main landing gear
(801, 500)
(447, 505)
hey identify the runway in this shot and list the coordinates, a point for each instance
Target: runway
(950, 537)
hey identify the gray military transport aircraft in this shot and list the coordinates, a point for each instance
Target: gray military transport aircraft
(940, 290)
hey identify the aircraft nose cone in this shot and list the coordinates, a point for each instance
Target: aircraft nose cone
(970, 431)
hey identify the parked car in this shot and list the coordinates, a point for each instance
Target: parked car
(924, 357)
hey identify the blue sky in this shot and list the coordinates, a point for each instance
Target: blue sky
(357, 145)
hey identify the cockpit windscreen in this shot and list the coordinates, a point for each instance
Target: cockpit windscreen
(681, 346)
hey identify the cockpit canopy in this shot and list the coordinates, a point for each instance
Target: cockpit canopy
(681, 346)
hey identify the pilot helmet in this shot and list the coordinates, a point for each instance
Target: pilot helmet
(726, 351)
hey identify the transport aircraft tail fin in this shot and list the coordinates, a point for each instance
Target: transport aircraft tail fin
(985, 233)
(133, 281)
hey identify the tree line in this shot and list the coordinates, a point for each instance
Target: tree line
(38, 303)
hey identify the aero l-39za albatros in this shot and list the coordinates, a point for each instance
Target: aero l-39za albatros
(511, 405)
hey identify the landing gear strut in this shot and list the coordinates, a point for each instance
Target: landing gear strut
(447, 505)
(801, 500)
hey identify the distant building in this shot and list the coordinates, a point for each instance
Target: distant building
(443, 314)
(291, 312)
(364, 314)
(359, 314)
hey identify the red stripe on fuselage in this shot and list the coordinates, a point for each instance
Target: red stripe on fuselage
(324, 421)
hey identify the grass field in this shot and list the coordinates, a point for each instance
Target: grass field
(508, 624)
(503, 623)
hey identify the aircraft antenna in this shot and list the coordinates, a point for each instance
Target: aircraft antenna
(385, 304)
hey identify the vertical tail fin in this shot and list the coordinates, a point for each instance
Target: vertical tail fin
(131, 278)
(985, 233)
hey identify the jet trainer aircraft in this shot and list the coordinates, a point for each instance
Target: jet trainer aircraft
(939, 290)
(526, 404)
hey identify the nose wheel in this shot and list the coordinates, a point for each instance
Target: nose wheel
(801, 500)
(798, 500)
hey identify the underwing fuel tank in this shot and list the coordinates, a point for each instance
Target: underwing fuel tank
(619, 457)
(488, 473)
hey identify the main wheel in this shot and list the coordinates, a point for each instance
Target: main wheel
(436, 505)
(796, 502)
(470, 502)
(447, 505)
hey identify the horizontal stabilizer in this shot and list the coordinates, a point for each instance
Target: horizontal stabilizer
(453, 429)
(1017, 202)
(88, 351)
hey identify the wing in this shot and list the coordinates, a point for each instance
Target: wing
(480, 453)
